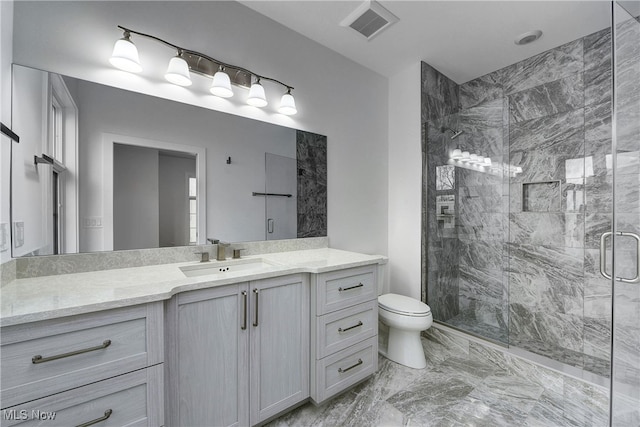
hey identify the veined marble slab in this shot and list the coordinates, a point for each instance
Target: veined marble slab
(47, 297)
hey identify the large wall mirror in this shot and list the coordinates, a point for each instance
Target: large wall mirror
(99, 168)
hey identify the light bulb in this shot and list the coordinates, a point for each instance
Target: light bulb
(125, 55)
(287, 104)
(178, 71)
(257, 97)
(221, 85)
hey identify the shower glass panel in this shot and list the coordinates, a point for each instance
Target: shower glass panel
(514, 206)
(625, 381)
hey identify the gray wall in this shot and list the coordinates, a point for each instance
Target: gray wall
(135, 197)
(525, 247)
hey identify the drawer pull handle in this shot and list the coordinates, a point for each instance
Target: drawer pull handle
(358, 363)
(106, 416)
(359, 285)
(244, 305)
(39, 359)
(256, 292)
(350, 327)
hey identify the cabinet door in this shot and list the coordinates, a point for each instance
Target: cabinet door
(209, 384)
(279, 344)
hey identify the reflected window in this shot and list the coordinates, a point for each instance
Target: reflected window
(445, 177)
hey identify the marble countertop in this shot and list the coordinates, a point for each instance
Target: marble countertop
(49, 297)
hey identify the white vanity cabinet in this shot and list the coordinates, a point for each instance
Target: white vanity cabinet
(237, 354)
(344, 330)
(104, 366)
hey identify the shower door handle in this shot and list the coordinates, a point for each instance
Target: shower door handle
(636, 279)
(603, 255)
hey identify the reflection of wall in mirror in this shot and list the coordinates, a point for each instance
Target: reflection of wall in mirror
(232, 213)
(6, 57)
(30, 121)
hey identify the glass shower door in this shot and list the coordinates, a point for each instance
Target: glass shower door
(625, 378)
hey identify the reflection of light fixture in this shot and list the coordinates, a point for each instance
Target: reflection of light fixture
(480, 163)
(125, 57)
(178, 71)
(221, 84)
(287, 104)
(257, 97)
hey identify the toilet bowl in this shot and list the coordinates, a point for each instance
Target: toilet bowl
(406, 317)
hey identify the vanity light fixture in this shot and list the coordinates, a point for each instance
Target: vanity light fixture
(221, 84)
(178, 71)
(187, 61)
(125, 54)
(288, 104)
(257, 97)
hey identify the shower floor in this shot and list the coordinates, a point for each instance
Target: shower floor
(467, 321)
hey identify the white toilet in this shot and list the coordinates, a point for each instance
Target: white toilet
(406, 317)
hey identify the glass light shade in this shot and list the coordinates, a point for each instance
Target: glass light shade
(457, 154)
(473, 159)
(257, 97)
(287, 105)
(465, 156)
(178, 72)
(221, 85)
(480, 160)
(125, 56)
(487, 161)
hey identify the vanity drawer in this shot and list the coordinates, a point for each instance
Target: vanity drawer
(340, 329)
(133, 399)
(341, 370)
(343, 288)
(42, 358)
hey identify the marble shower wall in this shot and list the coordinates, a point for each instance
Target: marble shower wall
(311, 154)
(525, 248)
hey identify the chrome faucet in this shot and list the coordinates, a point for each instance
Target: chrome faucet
(222, 251)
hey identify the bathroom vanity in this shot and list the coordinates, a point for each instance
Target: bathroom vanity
(220, 343)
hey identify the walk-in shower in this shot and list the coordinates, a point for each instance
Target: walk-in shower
(511, 243)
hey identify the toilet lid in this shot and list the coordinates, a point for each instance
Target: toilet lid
(403, 304)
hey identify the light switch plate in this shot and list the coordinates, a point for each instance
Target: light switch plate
(92, 222)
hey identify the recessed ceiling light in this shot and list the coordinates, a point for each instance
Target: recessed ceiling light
(528, 37)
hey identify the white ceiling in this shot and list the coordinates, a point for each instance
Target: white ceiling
(462, 39)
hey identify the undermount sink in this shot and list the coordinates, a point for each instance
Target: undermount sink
(223, 267)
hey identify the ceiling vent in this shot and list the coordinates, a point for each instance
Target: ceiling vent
(370, 19)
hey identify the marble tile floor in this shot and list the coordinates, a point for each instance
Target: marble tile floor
(461, 386)
(468, 321)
